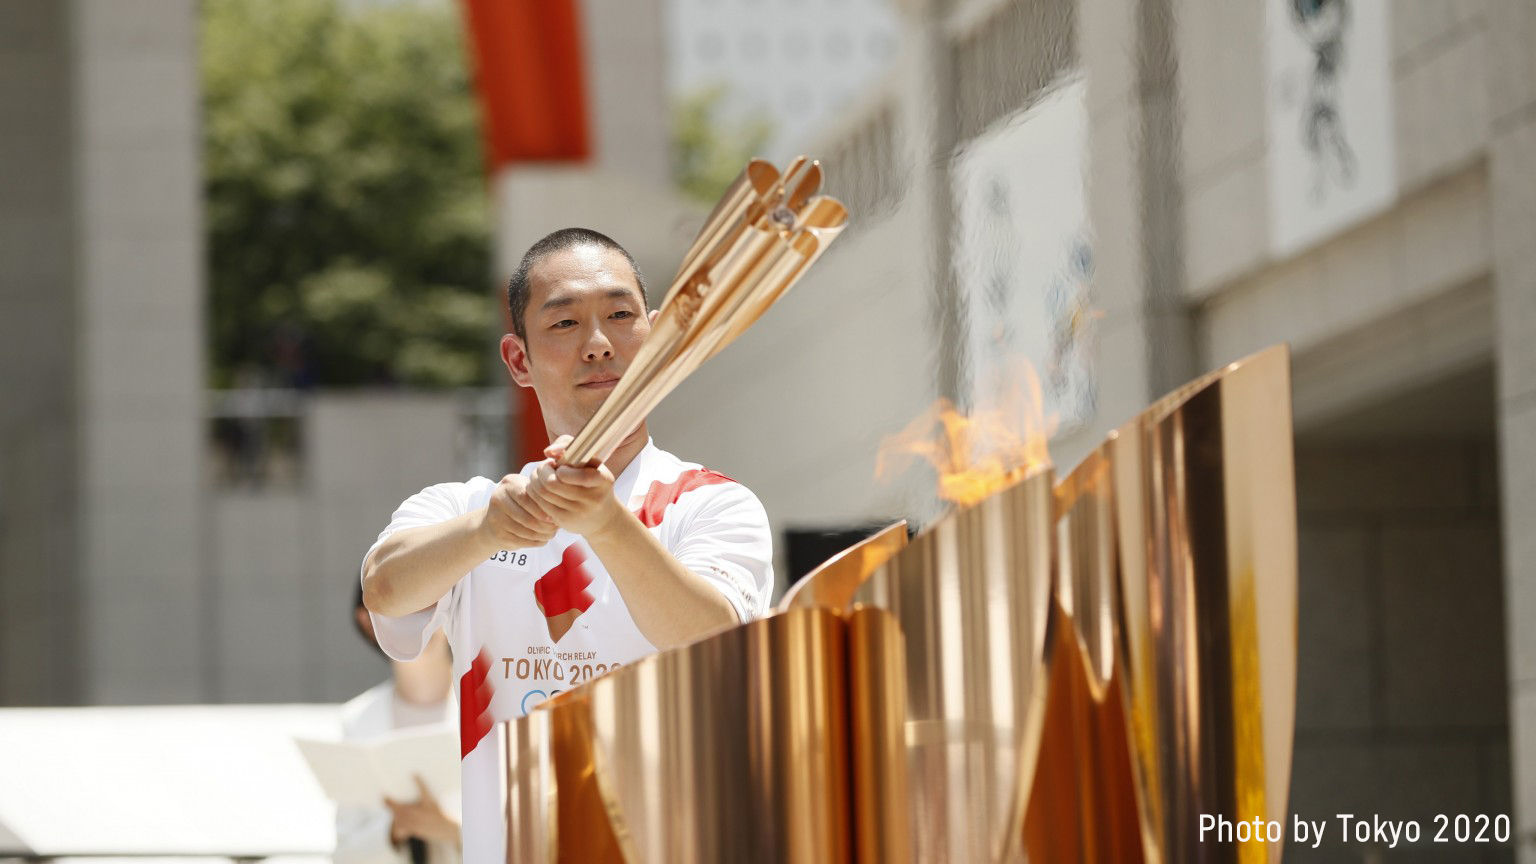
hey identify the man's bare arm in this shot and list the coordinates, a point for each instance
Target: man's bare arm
(669, 603)
(415, 567)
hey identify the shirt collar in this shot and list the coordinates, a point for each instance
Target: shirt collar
(637, 473)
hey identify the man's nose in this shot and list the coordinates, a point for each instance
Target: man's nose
(598, 346)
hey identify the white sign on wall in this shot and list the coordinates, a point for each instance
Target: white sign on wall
(1024, 258)
(1332, 159)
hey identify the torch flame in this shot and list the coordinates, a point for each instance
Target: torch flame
(979, 453)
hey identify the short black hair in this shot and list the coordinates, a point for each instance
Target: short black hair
(558, 241)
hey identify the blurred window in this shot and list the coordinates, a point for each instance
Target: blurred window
(256, 436)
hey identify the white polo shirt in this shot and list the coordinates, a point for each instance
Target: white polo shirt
(529, 623)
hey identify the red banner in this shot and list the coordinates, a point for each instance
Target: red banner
(531, 82)
(530, 78)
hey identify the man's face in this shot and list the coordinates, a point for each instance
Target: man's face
(585, 320)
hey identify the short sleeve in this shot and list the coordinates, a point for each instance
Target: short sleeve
(727, 541)
(403, 638)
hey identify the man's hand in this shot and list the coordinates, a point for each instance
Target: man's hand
(580, 500)
(514, 519)
(424, 819)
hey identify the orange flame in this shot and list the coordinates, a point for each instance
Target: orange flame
(977, 454)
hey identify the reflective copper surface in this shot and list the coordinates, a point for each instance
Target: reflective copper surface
(528, 774)
(833, 584)
(1206, 485)
(1176, 548)
(877, 695)
(970, 597)
(1074, 673)
(733, 748)
(1084, 805)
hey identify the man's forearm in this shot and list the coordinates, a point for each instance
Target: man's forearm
(414, 568)
(670, 603)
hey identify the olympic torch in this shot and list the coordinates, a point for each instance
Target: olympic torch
(765, 233)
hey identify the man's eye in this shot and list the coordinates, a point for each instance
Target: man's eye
(565, 324)
(623, 313)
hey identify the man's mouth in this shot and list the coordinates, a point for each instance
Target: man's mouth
(599, 384)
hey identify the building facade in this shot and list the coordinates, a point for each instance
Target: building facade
(1123, 194)
(1184, 161)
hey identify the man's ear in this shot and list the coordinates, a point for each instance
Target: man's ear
(654, 314)
(365, 624)
(514, 353)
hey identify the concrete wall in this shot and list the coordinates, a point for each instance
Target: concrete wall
(624, 61)
(125, 576)
(38, 416)
(796, 408)
(1441, 105)
(872, 337)
(1407, 687)
(125, 580)
(1401, 702)
(1405, 296)
(1511, 31)
(100, 228)
(1443, 281)
(625, 189)
(139, 320)
(285, 563)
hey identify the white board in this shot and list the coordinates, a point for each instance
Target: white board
(1332, 153)
(186, 780)
(1024, 258)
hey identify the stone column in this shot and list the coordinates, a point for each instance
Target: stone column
(138, 318)
(1511, 28)
(1146, 341)
(100, 444)
(39, 543)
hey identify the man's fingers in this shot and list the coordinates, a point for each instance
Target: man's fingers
(426, 794)
(519, 512)
(570, 476)
(524, 536)
(513, 490)
(526, 501)
(543, 477)
(557, 447)
(531, 513)
(544, 473)
(536, 496)
(556, 497)
(517, 527)
(531, 517)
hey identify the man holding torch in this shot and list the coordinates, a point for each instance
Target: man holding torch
(558, 573)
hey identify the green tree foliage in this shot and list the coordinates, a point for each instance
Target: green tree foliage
(346, 202)
(707, 150)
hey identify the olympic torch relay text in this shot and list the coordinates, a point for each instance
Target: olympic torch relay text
(1372, 830)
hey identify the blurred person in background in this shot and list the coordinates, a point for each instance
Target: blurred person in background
(556, 574)
(419, 693)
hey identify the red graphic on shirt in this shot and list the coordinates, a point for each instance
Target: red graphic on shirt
(475, 693)
(562, 593)
(661, 494)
